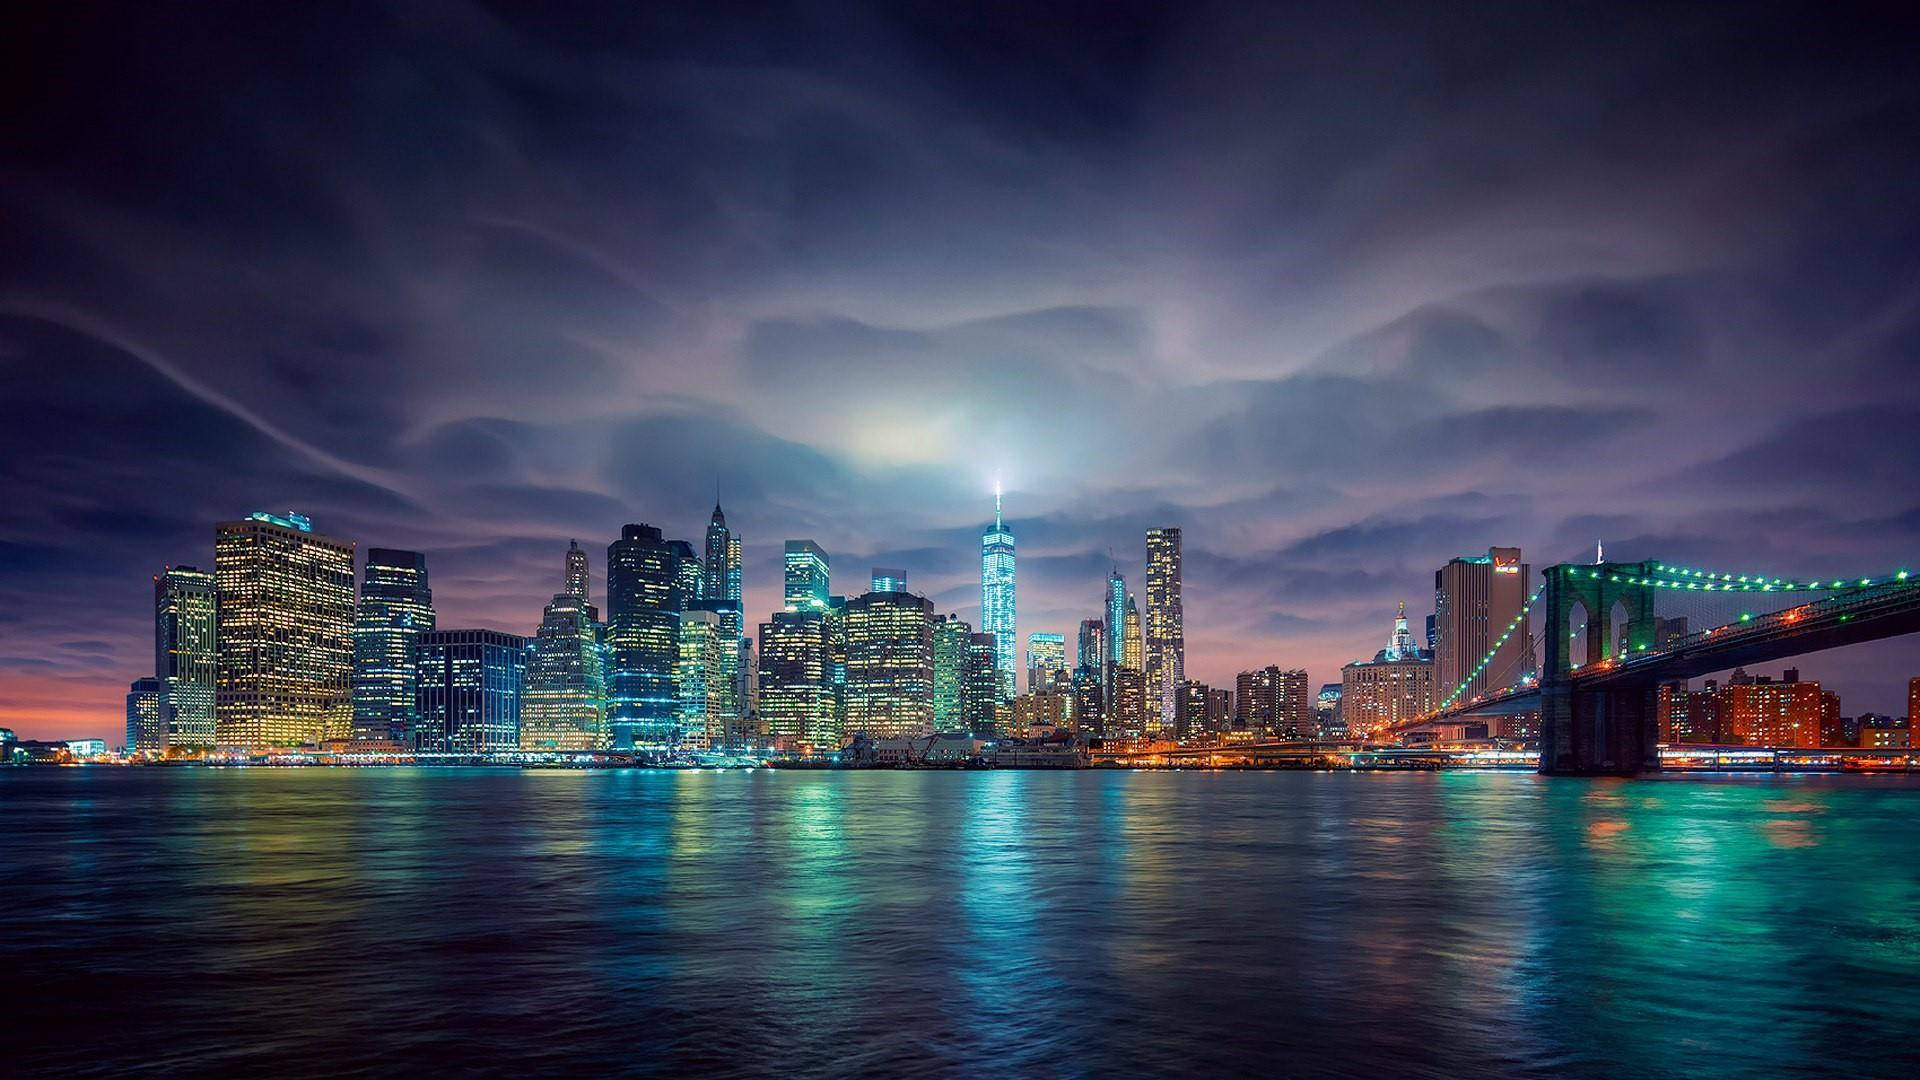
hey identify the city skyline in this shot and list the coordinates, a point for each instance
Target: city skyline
(1532, 280)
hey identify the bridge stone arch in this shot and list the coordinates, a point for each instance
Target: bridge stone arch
(1595, 731)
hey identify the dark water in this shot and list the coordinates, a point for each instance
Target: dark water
(757, 923)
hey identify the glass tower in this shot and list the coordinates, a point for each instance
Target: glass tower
(186, 654)
(1164, 635)
(576, 584)
(396, 606)
(890, 664)
(146, 716)
(1046, 661)
(564, 706)
(950, 637)
(644, 601)
(797, 694)
(470, 682)
(997, 596)
(805, 565)
(285, 674)
(1116, 618)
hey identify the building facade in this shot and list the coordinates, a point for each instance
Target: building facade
(798, 701)
(285, 641)
(186, 655)
(564, 707)
(950, 641)
(396, 607)
(1164, 635)
(701, 677)
(980, 686)
(1046, 661)
(646, 582)
(890, 664)
(1394, 687)
(470, 687)
(1476, 599)
(804, 575)
(146, 716)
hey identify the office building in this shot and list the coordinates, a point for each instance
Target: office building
(186, 654)
(1394, 687)
(285, 641)
(396, 607)
(889, 579)
(1476, 600)
(1090, 650)
(980, 686)
(1127, 711)
(1164, 634)
(1046, 662)
(950, 640)
(470, 687)
(1131, 653)
(889, 664)
(1116, 619)
(1041, 709)
(805, 575)
(1089, 701)
(701, 677)
(578, 582)
(798, 699)
(1326, 712)
(997, 616)
(645, 594)
(564, 706)
(146, 716)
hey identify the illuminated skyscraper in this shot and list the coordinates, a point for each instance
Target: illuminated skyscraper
(186, 654)
(890, 664)
(806, 576)
(1475, 599)
(470, 686)
(889, 579)
(396, 606)
(644, 599)
(720, 593)
(1091, 652)
(700, 679)
(997, 596)
(1127, 718)
(1130, 650)
(950, 641)
(565, 703)
(1089, 701)
(146, 716)
(577, 580)
(980, 686)
(797, 696)
(1046, 662)
(285, 633)
(1117, 607)
(1165, 636)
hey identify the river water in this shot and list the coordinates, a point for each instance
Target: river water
(318, 920)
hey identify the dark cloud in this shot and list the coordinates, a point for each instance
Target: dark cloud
(1343, 291)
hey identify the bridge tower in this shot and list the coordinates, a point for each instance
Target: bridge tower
(1595, 731)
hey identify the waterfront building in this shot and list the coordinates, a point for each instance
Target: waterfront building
(396, 607)
(186, 619)
(950, 636)
(1046, 661)
(1165, 636)
(798, 700)
(564, 706)
(889, 579)
(1394, 687)
(1204, 711)
(645, 594)
(1089, 701)
(578, 582)
(889, 664)
(1128, 716)
(997, 615)
(1256, 701)
(700, 680)
(285, 641)
(806, 577)
(1476, 598)
(1045, 709)
(1757, 711)
(980, 686)
(470, 687)
(1878, 732)
(146, 716)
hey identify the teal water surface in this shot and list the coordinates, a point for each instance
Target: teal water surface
(896, 923)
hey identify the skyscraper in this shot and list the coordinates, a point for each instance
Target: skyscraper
(980, 686)
(721, 594)
(470, 687)
(797, 696)
(1046, 662)
(577, 580)
(1116, 618)
(890, 664)
(644, 599)
(950, 636)
(889, 579)
(700, 681)
(1164, 637)
(1090, 653)
(146, 716)
(1126, 717)
(1256, 701)
(285, 643)
(1294, 712)
(997, 596)
(396, 606)
(186, 654)
(806, 577)
(1130, 644)
(1475, 599)
(565, 703)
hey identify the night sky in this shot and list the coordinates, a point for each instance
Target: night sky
(1342, 293)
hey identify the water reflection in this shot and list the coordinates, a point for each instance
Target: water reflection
(903, 923)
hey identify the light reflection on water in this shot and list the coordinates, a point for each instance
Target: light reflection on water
(751, 923)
